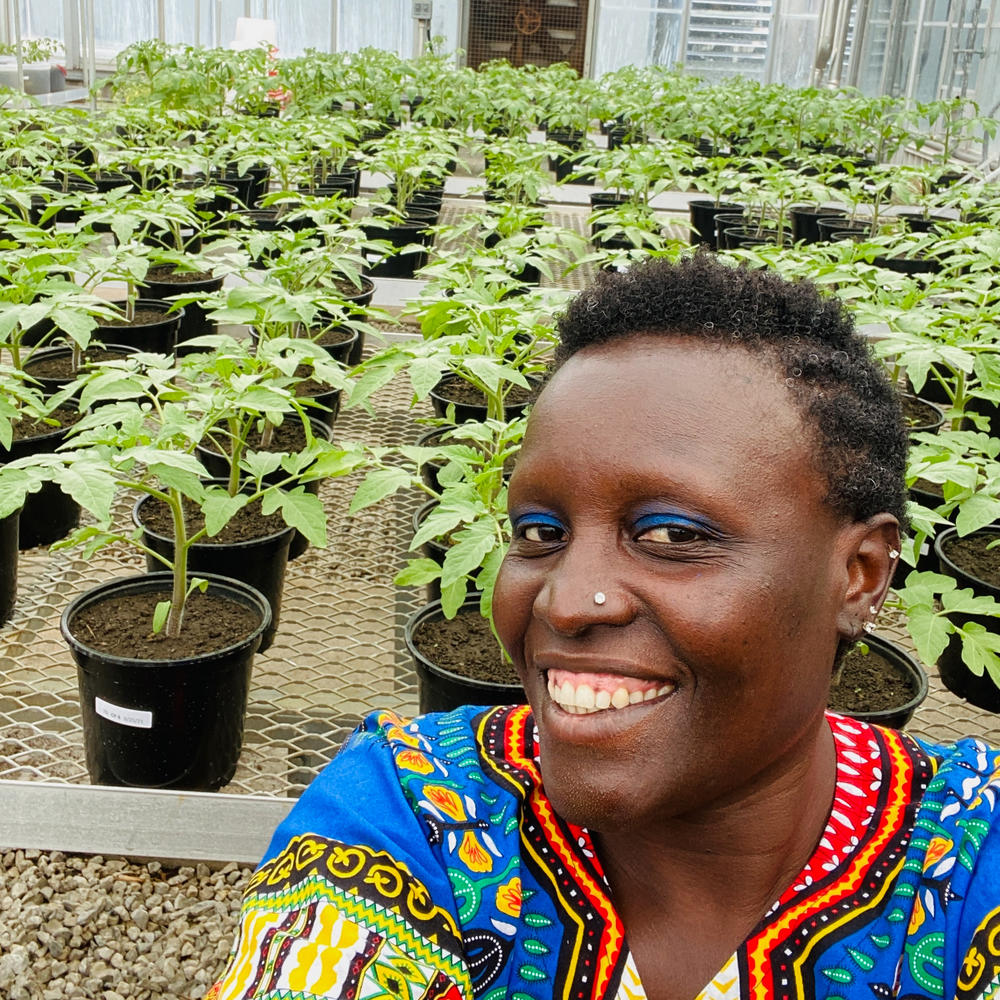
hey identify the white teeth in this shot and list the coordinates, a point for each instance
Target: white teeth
(584, 700)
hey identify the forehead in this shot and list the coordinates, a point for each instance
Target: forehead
(660, 406)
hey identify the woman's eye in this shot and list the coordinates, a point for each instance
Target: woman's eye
(539, 528)
(671, 532)
(541, 533)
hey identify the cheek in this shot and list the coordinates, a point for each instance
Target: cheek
(513, 596)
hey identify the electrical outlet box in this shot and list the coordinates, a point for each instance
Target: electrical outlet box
(422, 9)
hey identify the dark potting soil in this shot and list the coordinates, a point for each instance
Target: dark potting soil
(459, 391)
(246, 525)
(167, 273)
(335, 335)
(309, 387)
(141, 317)
(64, 416)
(972, 555)
(124, 627)
(62, 366)
(917, 413)
(868, 682)
(928, 487)
(289, 436)
(465, 646)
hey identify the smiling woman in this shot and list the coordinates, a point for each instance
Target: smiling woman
(674, 815)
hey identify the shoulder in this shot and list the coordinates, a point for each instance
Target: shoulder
(372, 880)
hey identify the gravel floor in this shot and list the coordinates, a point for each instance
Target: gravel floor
(93, 928)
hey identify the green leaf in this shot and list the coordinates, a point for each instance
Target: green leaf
(14, 486)
(91, 488)
(980, 649)
(976, 512)
(301, 510)
(967, 602)
(377, 486)
(160, 614)
(425, 373)
(452, 597)
(219, 508)
(417, 572)
(929, 632)
(468, 550)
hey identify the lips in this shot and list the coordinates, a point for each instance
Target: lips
(588, 693)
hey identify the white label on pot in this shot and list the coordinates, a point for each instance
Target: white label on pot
(134, 717)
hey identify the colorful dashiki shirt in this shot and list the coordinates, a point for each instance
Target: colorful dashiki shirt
(426, 862)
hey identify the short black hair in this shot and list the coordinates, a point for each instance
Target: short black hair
(842, 390)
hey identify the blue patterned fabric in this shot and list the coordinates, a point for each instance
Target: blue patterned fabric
(426, 862)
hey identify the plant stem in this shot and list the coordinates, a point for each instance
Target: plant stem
(181, 545)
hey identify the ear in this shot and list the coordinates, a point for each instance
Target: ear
(871, 551)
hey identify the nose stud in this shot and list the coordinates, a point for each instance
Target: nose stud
(599, 598)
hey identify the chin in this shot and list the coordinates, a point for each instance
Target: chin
(599, 805)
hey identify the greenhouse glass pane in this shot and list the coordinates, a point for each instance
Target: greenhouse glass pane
(119, 24)
(637, 32)
(302, 24)
(194, 24)
(794, 41)
(384, 24)
(42, 19)
(929, 60)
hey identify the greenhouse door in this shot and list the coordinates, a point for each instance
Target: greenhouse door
(541, 32)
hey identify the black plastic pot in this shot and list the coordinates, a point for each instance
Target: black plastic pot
(934, 419)
(562, 165)
(732, 238)
(48, 514)
(242, 186)
(8, 564)
(443, 690)
(160, 336)
(260, 562)
(956, 676)
(830, 226)
(917, 221)
(194, 322)
(164, 723)
(338, 342)
(398, 265)
(804, 219)
(899, 716)
(703, 212)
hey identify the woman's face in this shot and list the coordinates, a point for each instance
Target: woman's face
(674, 479)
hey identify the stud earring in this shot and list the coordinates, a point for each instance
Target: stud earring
(599, 598)
(869, 627)
(893, 553)
(873, 609)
